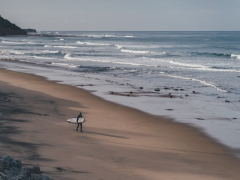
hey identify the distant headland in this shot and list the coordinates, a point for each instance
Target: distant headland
(8, 28)
(30, 30)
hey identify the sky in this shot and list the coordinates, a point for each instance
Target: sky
(123, 15)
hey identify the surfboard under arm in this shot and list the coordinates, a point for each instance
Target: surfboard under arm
(74, 120)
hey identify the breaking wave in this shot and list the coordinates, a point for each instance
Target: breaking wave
(11, 42)
(196, 80)
(133, 64)
(38, 57)
(51, 52)
(16, 52)
(235, 56)
(109, 36)
(187, 65)
(47, 46)
(208, 54)
(68, 47)
(68, 56)
(122, 49)
(202, 67)
(135, 51)
(63, 64)
(92, 44)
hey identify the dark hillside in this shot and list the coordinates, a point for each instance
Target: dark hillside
(7, 28)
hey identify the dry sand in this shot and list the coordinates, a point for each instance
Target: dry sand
(117, 142)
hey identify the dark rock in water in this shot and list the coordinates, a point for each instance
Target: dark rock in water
(140, 87)
(186, 95)
(181, 89)
(175, 89)
(111, 92)
(227, 101)
(234, 118)
(11, 169)
(7, 28)
(200, 119)
(60, 169)
(131, 92)
(30, 30)
(157, 89)
(194, 92)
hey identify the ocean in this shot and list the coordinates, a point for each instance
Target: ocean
(191, 77)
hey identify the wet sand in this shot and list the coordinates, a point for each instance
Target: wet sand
(117, 142)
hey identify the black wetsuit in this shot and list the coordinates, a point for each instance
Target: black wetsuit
(79, 116)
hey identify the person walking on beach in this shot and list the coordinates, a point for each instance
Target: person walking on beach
(79, 116)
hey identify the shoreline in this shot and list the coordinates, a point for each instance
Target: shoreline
(196, 105)
(119, 141)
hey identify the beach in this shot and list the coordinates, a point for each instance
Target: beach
(117, 142)
(191, 77)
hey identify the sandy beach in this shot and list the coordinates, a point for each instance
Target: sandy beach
(117, 142)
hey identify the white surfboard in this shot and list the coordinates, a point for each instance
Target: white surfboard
(74, 120)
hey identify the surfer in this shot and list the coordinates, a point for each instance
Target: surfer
(79, 116)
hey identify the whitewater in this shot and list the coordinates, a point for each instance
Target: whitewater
(192, 77)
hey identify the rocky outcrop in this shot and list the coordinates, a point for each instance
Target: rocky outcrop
(11, 169)
(7, 28)
(30, 30)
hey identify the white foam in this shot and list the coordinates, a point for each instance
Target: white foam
(24, 61)
(64, 64)
(9, 42)
(53, 52)
(133, 64)
(92, 44)
(128, 36)
(162, 53)
(95, 36)
(235, 56)
(197, 80)
(187, 65)
(32, 43)
(68, 47)
(135, 52)
(108, 36)
(61, 39)
(117, 36)
(17, 52)
(37, 57)
(210, 69)
(68, 56)
(119, 46)
(201, 67)
(47, 46)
